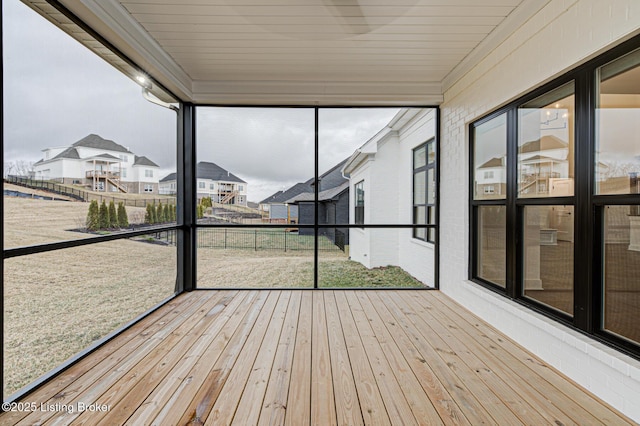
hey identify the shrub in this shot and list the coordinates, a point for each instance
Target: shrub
(206, 202)
(159, 218)
(104, 216)
(149, 216)
(123, 219)
(93, 216)
(113, 216)
(174, 213)
(165, 213)
(200, 211)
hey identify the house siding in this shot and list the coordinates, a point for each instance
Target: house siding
(388, 185)
(560, 36)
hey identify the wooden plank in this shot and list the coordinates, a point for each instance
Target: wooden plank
(464, 377)
(587, 407)
(395, 403)
(221, 412)
(119, 380)
(323, 408)
(346, 397)
(298, 408)
(420, 404)
(59, 385)
(437, 392)
(181, 384)
(126, 396)
(525, 387)
(248, 408)
(370, 399)
(200, 388)
(117, 362)
(274, 405)
(520, 403)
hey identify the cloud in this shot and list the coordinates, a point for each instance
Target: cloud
(56, 92)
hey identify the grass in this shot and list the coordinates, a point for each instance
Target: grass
(57, 303)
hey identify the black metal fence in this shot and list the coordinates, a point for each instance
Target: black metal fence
(258, 239)
(252, 239)
(81, 195)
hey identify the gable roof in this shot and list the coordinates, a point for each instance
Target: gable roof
(544, 143)
(143, 161)
(283, 196)
(494, 162)
(95, 141)
(332, 177)
(327, 195)
(207, 170)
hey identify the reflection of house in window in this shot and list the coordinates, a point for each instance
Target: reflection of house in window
(493, 181)
(544, 168)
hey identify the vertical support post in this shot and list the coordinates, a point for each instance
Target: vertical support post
(185, 199)
(315, 199)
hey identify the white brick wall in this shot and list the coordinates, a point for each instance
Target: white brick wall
(560, 36)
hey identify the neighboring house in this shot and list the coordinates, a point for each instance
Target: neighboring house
(212, 181)
(276, 208)
(544, 168)
(392, 181)
(99, 164)
(333, 206)
(492, 178)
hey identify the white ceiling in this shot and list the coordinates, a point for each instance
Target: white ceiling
(298, 52)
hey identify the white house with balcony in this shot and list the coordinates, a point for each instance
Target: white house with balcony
(212, 181)
(100, 165)
(392, 180)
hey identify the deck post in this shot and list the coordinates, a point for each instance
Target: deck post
(185, 199)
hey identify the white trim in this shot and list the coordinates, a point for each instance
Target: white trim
(112, 14)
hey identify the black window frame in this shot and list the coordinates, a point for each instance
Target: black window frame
(358, 210)
(429, 207)
(588, 268)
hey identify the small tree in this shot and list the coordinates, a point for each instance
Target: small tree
(174, 213)
(149, 214)
(113, 215)
(165, 213)
(104, 216)
(123, 219)
(93, 216)
(160, 213)
(200, 211)
(206, 202)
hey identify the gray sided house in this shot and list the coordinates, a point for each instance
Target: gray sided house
(333, 206)
(276, 208)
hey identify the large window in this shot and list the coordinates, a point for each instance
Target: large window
(424, 190)
(556, 195)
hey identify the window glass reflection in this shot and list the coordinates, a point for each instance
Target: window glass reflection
(546, 145)
(490, 162)
(618, 127)
(621, 271)
(548, 256)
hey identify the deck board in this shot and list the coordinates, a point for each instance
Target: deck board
(315, 357)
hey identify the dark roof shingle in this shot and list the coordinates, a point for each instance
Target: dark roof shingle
(95, 141)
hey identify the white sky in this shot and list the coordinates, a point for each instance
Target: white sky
(56, 92)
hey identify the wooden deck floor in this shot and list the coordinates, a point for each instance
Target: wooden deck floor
(313, 357)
